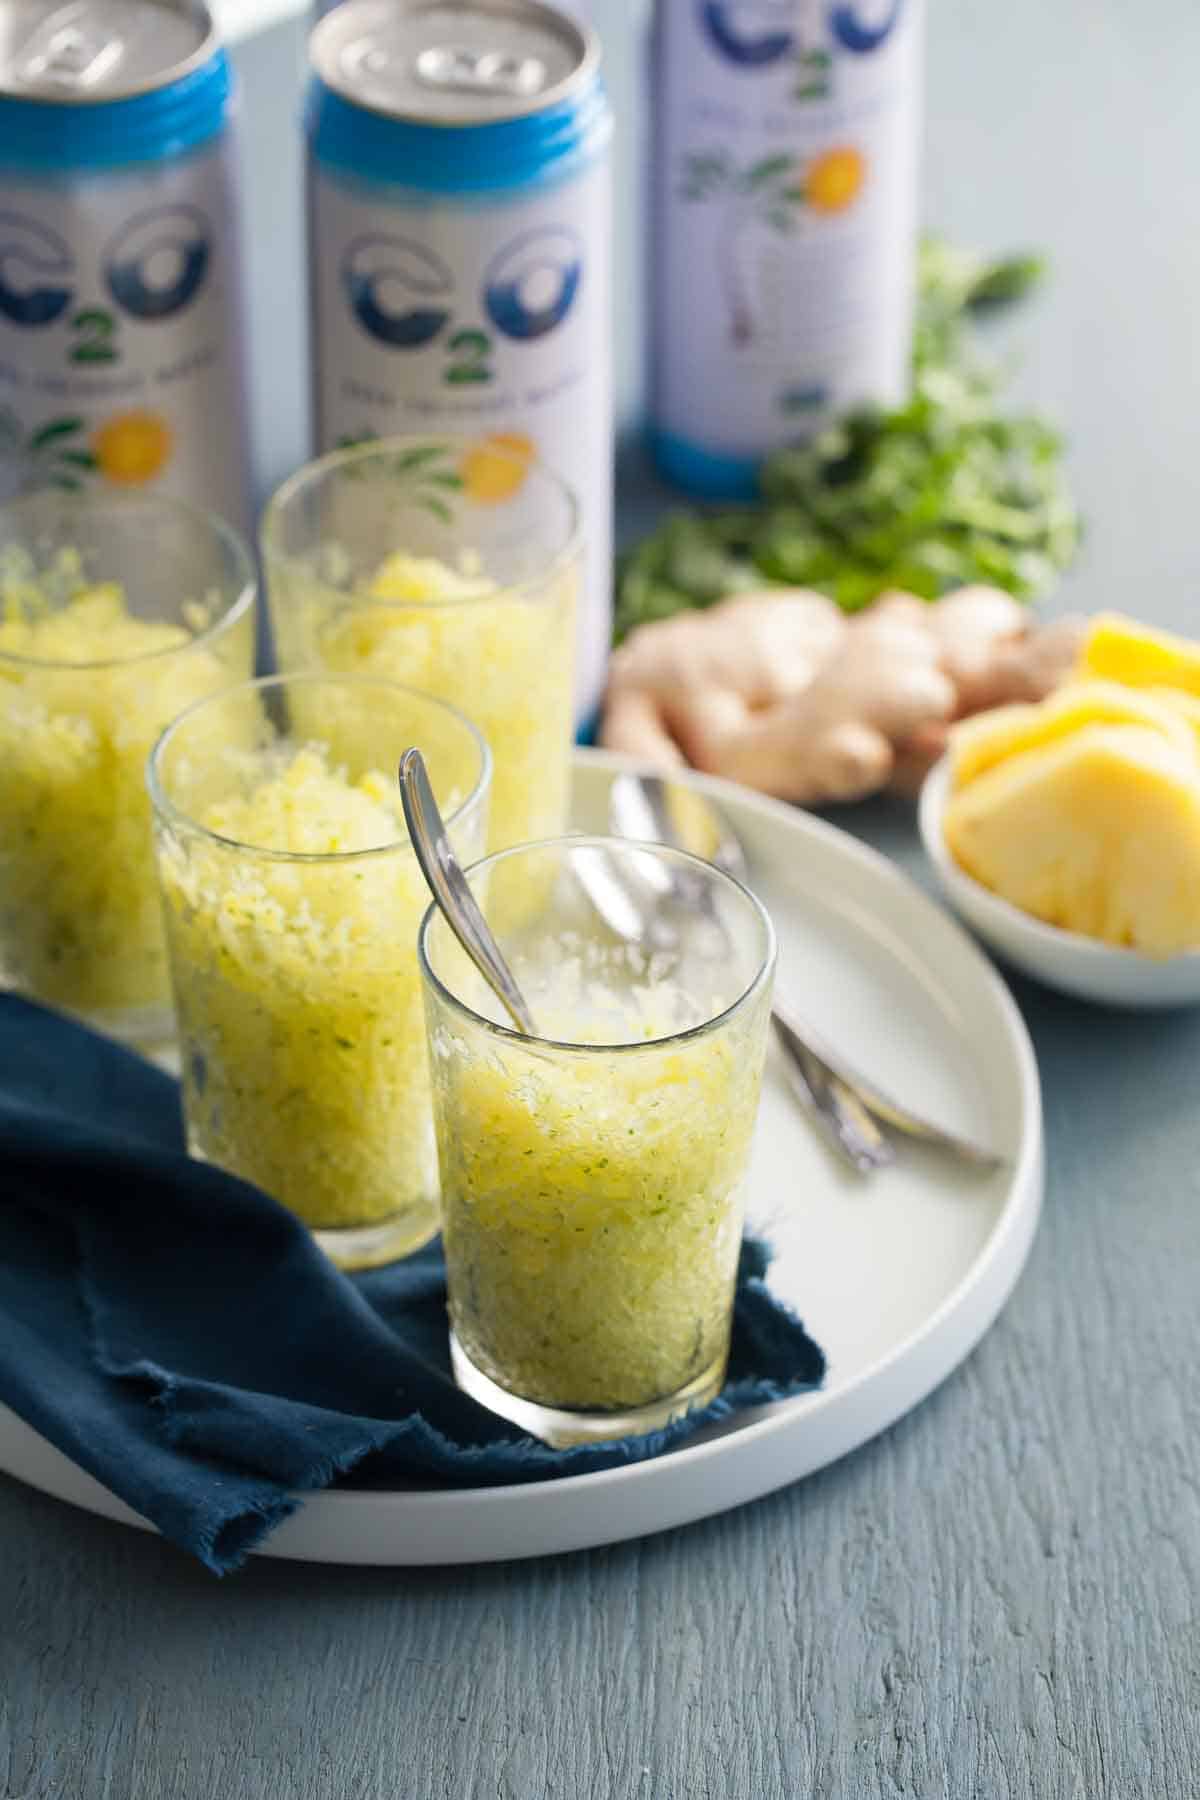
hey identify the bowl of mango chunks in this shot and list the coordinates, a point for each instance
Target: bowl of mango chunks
(1066, 833)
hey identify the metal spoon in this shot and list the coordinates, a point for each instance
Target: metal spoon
(844, 1104)
(450, 889)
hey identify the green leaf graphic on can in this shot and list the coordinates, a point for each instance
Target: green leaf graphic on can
(57, 428)
(428, 469)
(48, 455)
(768, 169)
(418, 456)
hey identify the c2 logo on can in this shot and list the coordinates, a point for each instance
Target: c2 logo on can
(755, 33)
(530, 284)
(36, 267)
(750, 33)
(399, 291)
(155, 265)
(861, 34)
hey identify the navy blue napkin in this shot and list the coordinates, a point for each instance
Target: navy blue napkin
(178, 1334)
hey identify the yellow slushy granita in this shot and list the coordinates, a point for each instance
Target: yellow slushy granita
(593, 1214)
(504, 656)
(292, 901)
(452, 564)
(86, 687)
(593, 1175)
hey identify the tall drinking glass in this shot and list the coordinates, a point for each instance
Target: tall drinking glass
(451, 565)
(592, 1177)
(115, 615)
(292, 900)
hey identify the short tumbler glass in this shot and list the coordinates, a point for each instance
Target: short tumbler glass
(453, 565)
(115, 615)
(592, 1178)
(292, 899)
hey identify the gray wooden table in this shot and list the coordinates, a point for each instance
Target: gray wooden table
(998, 1598)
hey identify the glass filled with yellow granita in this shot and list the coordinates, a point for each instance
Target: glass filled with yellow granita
(292, 899)
(592, 1176)
(451, 565)
(115, 615)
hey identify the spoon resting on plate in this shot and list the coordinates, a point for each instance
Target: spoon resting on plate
(847, 1107)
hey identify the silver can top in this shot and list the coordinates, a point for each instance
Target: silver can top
(76, 51)
(452, 62)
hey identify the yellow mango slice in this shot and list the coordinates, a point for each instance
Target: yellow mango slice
(1098, 833)
(981, 743)
(1121, 649)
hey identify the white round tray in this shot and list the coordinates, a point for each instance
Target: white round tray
(898, 1277)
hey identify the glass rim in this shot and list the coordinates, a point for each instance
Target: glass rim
(245, 579)
(176, 818)
(312, 474)
(605, 841)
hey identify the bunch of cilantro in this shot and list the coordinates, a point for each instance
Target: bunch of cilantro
(944, 490)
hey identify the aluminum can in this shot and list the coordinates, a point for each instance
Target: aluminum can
(121, 337)
(784, 207)
(460, 257)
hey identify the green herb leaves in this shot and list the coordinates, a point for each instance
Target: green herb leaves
(945, 490)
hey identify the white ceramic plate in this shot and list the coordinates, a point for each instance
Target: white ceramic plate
(1065, 960)
(898, 1277)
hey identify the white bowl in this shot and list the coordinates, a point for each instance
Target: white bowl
(1061, 959)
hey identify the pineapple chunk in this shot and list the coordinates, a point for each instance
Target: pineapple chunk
(1120, 649)
(1098, 833)
(993, 737)
(1185, 706)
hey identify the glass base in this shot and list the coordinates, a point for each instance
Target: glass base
(359, 1246)
(369, 1246)
(562, 1427)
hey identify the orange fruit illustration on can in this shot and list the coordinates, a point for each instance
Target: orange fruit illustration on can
(132, 447)
(833, 180)
(495, 468)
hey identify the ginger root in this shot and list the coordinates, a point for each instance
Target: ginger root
(764, 648)
(781, 691)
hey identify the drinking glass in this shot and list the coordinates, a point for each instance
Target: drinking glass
(452, 565)
(292, 900)
(115, 615)
(592, 1177)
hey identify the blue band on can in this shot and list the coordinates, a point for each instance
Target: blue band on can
(50, 136)
(704, 472)
(535, 150)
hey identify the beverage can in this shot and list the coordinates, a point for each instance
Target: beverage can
(460, 260)
(121, 341)
(785, 197)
